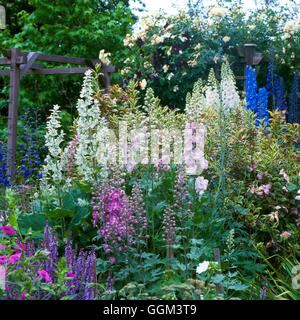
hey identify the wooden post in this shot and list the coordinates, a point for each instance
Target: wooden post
(249, 50)
(13, 112)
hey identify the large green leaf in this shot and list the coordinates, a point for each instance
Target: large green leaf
(80, 214)
(36, 222)
(59, 213)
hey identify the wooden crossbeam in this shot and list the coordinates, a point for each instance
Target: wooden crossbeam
(4, 62)
(7, 53)
(7, 62)
(59, 71)
(39, 71)
(55, 58)
(62, 59)
(37, 66)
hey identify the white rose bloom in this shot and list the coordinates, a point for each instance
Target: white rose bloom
(202, 267)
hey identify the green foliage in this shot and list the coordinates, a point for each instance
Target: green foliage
(81, 29)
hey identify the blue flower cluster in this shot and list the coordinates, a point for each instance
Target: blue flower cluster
(256, 99)
(293, 112)
(275, 86)
(251, 89)
(4, 178)
(31, 143)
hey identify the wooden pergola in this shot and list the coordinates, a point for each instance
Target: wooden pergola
(22, 63)
(247, 55)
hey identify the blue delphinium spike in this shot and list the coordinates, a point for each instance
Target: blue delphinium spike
(294, 101)
(256, 99)
(4, 178)
(275, 86)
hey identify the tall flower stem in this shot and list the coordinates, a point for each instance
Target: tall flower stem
(184, 246)
(221, 169)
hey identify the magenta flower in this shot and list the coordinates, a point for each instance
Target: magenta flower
(44, 274)
(22, 296)
(8, 230)
(21, 246)
(112, 260)
(71, 275)
(2, 259)
(13, 258)
(2, 247)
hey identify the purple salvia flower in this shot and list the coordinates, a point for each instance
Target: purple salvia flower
(90, 276)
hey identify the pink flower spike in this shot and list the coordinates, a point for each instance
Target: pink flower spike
(8, 230)
(44, 274)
